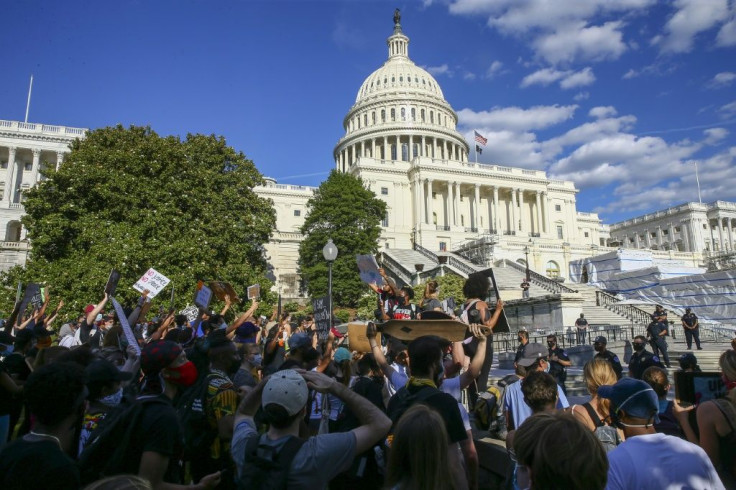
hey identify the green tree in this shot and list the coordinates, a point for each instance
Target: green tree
(130, 199)
(451, 286)
(345, 211)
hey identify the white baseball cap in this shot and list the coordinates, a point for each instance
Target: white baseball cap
(287, 389)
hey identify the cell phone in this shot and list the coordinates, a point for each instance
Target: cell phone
(696, 388)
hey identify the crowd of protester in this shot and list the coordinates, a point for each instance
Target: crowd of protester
(232, 400)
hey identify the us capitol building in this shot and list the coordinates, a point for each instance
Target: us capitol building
(401, 140)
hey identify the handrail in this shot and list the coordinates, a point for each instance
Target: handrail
(430, 255)
(461, 266)
(395, 266)
(540, 280)
(610, 302)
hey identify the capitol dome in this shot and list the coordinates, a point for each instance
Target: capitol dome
(399, 114)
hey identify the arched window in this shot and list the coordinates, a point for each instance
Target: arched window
(373, 117)
(434, 218)
(431, 117)
(393, 114)
(365, 119)
(405, 152)
(393, 152)
(552, 269)
(415, 149)
(403, 114)
(413, 114)
(12, 231)
(421, 114)
(383, 115)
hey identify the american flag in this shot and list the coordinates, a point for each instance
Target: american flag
(480, 139)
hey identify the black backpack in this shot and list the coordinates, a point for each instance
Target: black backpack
(268, 472)
(191, 409)
(111, 444)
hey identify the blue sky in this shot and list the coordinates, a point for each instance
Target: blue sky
(619, 96)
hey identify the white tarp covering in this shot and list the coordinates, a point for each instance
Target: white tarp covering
(598, 269)
(712, 296)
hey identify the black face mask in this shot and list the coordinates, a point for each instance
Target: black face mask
(599, 347)
(638, 347)
(520, 339)
(551, 345)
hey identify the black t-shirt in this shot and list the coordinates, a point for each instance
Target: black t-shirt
(555, 368)
(431, 304)
(159, 431)
(443, 404)
(404, 312)
(38, 464)
(613, 359)
(16, 366)
(641, 361)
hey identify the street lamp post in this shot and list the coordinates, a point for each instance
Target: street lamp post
(526, 254)
(329, 252)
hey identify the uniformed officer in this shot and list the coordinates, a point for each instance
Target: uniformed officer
(692, 329)
(657, 332)
(558, 362)
(641, 359)
(523, 337)
(600, 346)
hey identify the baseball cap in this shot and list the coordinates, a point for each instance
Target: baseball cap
(246, 333)
(633, 396)
(105, 371)
(286, 389)
(600, 340)
(689, 359)
(336, 333)
(157, 355)
(88, 309)
(299, 340)
(532, 353)
(342, 354)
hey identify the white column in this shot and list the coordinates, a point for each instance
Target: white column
(514, 225)
(496, 217)
(411, 148)
(386, 149)
(545, 202)
(476, 207)
(685, 234)
(648, 238)
(671, 233)
(730, 232)
(59, 159)
(457, 202)
(522, 214)
(444, 150)
(659, 237)
(538, 227)
(423, 149)
(430, 202)
(420, 184)
(450, 205)
(417, 203)
(10, 176)
(36, 167)
(434, 148)
(373, 147)
(720, 233)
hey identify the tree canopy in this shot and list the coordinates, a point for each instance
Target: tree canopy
(344, 210)
(130, 199)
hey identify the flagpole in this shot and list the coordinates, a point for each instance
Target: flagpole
(28, 104)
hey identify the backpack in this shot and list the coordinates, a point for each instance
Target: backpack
(268, 472)
(485, 410)
(110, 445)
(606, 434)
(191, 410)
(464, 315)
(404, 400)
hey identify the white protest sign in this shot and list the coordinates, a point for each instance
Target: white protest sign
(152, 280)
(368, 269)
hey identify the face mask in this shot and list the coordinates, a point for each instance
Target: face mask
(257, 360)
(638, 347)
(114, 399)
(187, 374)
(520, 339)
(599, 347)
(551, 345)
(546, 368)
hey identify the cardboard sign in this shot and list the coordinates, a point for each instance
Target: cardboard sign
(357, 339)
(191, 312)
(321, 307)
(254, 291)
(220, 289)
(112, 282)
(153, 281)
(503, 323)
(369, 270)
(203, 296)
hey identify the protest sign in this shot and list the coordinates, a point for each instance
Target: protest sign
(37, 299)
(153, 281)
(190, 312)
(220, 289)
(130, 337)
(32, 289)
(254, 291)
(357, 339)
(321, 311)
(502, 325)
(368, 269)
(112, 282)
(203, 296)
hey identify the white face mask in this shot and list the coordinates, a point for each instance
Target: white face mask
(114, 399)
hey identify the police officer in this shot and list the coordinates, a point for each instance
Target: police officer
(523, 337)
(657, 332)
(558, 362)
(641, 359)
(600, 344)
(692, 329)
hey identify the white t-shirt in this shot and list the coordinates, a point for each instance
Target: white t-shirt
(451, 386)
(662, 462)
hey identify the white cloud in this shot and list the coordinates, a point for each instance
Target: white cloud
(630, 74)
(723, 79)
(510, 148)
(568, 79)
(469, 76)
(601, 112)
(691, 18)
(495, 69)
(728, 110)
(443, 69)
(727, 34)
(715, 135)
(580, 96)
(581, 42)
(578, 79)
(516, 118)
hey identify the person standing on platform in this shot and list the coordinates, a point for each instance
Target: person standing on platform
(692, 329)
(525, 289)
(657, 331)
(600, 346)
(641, 359)
(582, 326)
